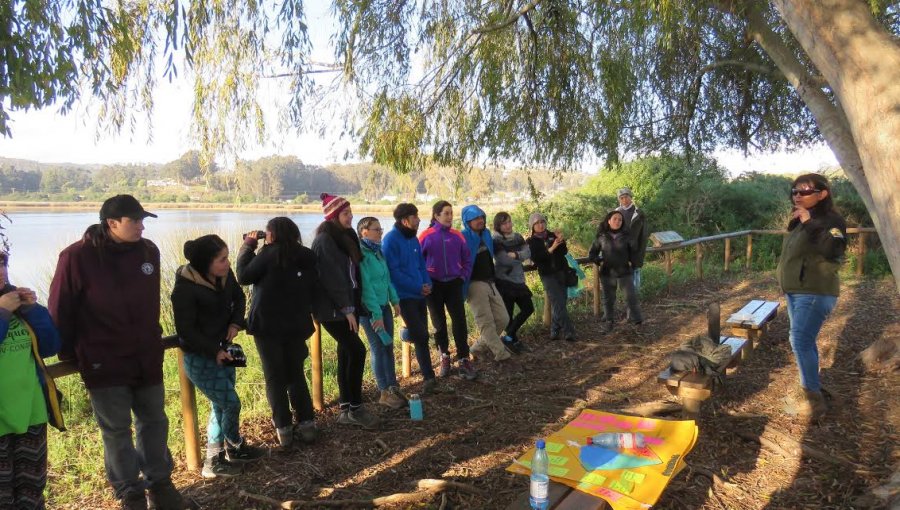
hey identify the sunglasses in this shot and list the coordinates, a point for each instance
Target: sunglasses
(804, 192)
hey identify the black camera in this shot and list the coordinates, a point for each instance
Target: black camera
(238, 358)
(260, 234)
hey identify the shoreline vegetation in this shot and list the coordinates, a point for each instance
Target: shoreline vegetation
(13, 206)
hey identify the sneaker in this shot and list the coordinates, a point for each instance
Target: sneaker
(360, 418)
(244, 453)
(164, 496)
(396, 391)
(218, 466)
(285, 437)
(307, 431)
(134, 501)
(390, 399)
(344, 417)
(479, 352)
(429, 387)
(554, 335)
(467, 370)
(570, 338)
(511, 345)
(445, 365)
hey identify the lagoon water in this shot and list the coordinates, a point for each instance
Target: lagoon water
(37, 237)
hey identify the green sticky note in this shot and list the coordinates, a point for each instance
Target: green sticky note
(526, 463)
(631, 476)
(557, 471)
(553, 447)
(623, 486)
(557, 460)
(594, 478)
(585, 486)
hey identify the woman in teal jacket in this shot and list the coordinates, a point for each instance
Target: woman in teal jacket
(380, 301)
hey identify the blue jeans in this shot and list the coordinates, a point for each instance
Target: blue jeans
(217, 383)
(383, 365)
(124, 460)
(807, 312)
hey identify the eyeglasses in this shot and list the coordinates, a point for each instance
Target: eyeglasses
(804, 192)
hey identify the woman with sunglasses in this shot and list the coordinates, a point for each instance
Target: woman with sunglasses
(811, 256)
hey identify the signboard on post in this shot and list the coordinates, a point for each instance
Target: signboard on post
(664, 238)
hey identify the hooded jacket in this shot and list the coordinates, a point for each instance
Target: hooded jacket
(446, 255)
(475, 239)
(204, 311)
(105, 299)
(339, 288)
(377, 290)
(507, 268)
(406, 264)
(281, 305)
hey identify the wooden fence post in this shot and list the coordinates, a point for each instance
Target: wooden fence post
(407, 363)
(668, 271)
(315, 352)
(699, 261)
(861, 257)
(189, 417)
(749, 249)
(597, 295)
(727, 252)
(546, 309)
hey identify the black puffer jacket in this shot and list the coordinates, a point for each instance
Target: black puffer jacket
(340, 286)
(282, 294)
(548, 263)
(203, 310)
(619, 257)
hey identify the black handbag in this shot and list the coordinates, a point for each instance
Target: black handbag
(571, 277)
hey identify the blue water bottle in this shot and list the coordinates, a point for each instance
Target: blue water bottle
(404, 334)
(415, 408)
(540, 481)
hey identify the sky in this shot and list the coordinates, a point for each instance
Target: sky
(47, 136)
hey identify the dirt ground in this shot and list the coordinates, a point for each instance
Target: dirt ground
(471, 434)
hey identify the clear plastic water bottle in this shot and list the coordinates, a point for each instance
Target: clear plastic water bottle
(416, 413)
(540, 481)
(624, 440)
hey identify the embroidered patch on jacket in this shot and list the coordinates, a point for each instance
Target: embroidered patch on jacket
(147, 268)
(836, 233)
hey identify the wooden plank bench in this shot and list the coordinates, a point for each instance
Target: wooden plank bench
(752, 322)
(562, 497)
(695, 388)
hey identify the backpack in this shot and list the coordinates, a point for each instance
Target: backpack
(703, 354)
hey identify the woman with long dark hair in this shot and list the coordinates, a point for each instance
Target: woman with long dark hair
(209, 306)
(510, 251)
(619, 260)
(811, 256)
(548, 252)
(283, 275)
(339, 302)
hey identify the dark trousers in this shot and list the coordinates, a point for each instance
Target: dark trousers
(526, 308)
(282, 363)
(413, 312)
(609, 284)
(351, 355)
(557, 294)
(449, 295)
(23, 468)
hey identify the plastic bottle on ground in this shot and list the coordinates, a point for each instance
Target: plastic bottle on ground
(624, 440)
(540, 481)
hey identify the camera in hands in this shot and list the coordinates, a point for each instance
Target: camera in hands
(238, 358)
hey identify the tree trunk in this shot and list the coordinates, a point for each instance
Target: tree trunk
(861, 62)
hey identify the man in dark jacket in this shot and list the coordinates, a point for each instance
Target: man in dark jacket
(635, 222)
(105, 299)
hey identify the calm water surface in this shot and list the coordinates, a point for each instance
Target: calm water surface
(37, 237)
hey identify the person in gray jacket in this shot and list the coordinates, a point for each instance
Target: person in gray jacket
(636, 224)
(510, 251)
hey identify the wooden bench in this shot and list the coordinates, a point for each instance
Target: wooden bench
(694, 388)
(752, 322)
(562, 497)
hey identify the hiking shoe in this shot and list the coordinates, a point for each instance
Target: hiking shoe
(392, 400)
(244, 453)
(360, 418)
(217, 466)
(445, 365)
(479, 352)
(164, 496)
(307, 431)
(285, 436)
(554, 335)
(511, 345)
(817, 405)
(570, 338)
(467, 370)
(134, 501)
(429, 387)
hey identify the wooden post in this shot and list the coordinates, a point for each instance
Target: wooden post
(546, 309)
(749, 249)
(727, 252)
(407, 363)
(700, 261)
(315, 353)
(668, 271)
(861, 256)
(597, 295)
(189, 417)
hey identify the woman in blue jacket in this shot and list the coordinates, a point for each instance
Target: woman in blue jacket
(23, 410)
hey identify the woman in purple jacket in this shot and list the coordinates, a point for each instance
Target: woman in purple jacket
(449, 263)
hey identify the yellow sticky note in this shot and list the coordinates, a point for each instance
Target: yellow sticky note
(632, 476)
(553, 447)
(557, 471)
(557, 460)
(623, 486)
(594, 478)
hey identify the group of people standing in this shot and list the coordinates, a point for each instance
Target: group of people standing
(106, 288)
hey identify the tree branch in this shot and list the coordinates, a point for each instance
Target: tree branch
(509, 21)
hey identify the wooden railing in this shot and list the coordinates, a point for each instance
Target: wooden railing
(188, 394)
